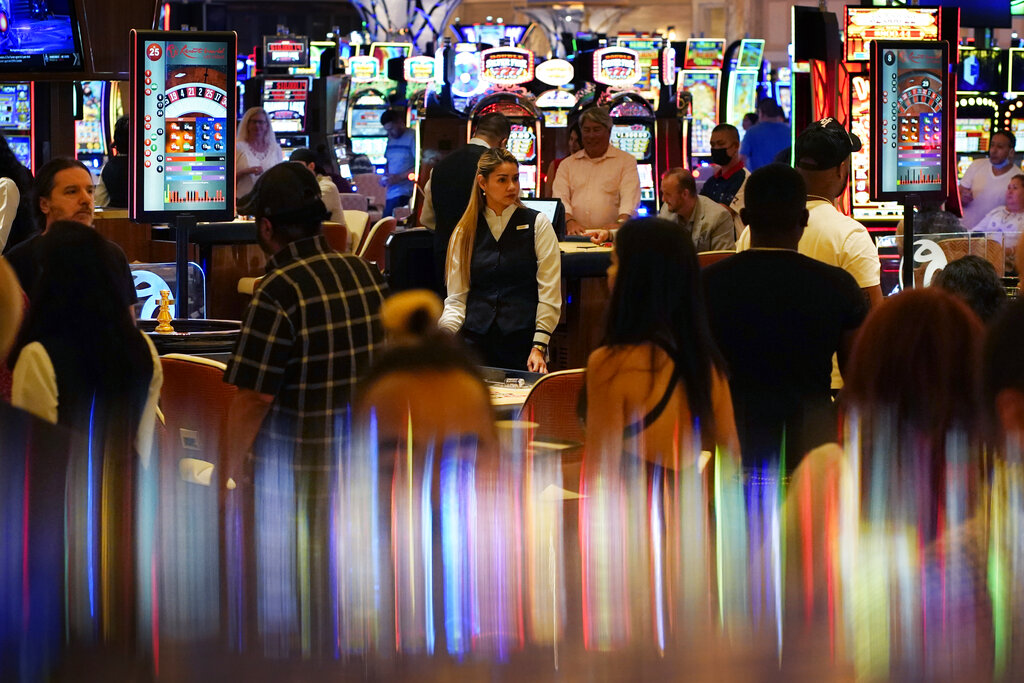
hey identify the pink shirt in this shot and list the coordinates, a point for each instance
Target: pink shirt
(596, 191)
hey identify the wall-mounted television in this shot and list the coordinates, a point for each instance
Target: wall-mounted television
(43, 41)
(182, 125)
(282, 52)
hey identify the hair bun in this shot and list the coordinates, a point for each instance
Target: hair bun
(411, 315)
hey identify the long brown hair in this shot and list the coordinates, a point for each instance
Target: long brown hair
(464, 235)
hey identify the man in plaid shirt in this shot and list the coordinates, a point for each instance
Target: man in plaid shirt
(311, 329)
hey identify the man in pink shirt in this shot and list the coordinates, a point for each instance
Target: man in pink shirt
(599, 185)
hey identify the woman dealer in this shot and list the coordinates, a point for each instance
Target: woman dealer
(503, 271)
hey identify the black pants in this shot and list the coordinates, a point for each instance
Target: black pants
(501, 350)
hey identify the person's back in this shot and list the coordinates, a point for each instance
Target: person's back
(763, 141)
(114, 176)
(451, 184)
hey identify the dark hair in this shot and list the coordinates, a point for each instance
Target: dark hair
(495, 125)
(391, 115)
(45, 181)
(974, 280)
(684, 178)
(121, 135)
(658, 299)
(775, 200)
(1003, 362)
(77, 306)
(727, 128)
(1008, 135)
(752, 117)
(767, 106)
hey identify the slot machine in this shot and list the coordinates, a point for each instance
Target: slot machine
(1010, 115)
(505, 69)
(286, 102)
(17, 106)
(981, 80)
(101, 108)
(864, 25)
(699, 82)
(365, 106)
(742, 78)
(782, 90)
(633, 132)
(493, 35)
(648, 49)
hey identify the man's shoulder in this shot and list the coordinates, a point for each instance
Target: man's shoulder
(828, 217)
(460, 157)
(614, 151)
(713, 211)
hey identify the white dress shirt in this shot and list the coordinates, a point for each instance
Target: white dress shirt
(596, 191)
(428, 218)
(549, 275)
(9, 200)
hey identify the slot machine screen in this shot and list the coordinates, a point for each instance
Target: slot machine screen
(751, 54)
(982, 71)
(1016, 70)
(1017, 128)
(283, 52)
(908, 89)
(16, 119)
(972, 135)
(634, 139)
(646, 172)
(703, 88)
(963, 162)
(522, 142)
(867, 24)
(742, 97)
(89, 137)
(527, 178)
(182, 85)
(704, 53)
(365, 122)
(285, 103)
(558, 118)
(340, 115)
(371, 147)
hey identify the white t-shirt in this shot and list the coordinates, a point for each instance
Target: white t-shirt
(836, 239)
(989, 190)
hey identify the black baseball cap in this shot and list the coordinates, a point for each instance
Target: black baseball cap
(288, 191)
(824, 144)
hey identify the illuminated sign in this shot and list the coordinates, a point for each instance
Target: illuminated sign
(865, 24)
(704, 53)
(556, 99)
(293, 51)
(555, 72)
(419, 69)
(616, 66)
(668, 66)
(363, 69)
(506, 66)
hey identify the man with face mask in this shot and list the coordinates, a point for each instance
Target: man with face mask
(983, 186)
(822, 157)
(726, 184)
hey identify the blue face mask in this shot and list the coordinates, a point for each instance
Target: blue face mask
(999, 167)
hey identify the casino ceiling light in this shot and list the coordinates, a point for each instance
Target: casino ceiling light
(424, 21)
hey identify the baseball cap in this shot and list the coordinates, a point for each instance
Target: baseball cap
(824, 144)
(288, 191)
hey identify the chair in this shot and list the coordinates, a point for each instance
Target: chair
(355, 202)
(368, 184)
(372, 248)
(409, 260)
(989, 249)
(356, 222)
(551, 405)
(192, 487)
(336, 235)
(706, 258)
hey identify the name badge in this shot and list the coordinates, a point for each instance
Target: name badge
(522, 227)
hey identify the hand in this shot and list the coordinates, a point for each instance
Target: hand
(383, 181)
(254, 170)
(574, 227)
(536, 362)
(966, 196)
(598, 236)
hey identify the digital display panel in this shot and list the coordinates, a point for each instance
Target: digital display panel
(522, 142)
(633, 139)
(16, 119)
(285, 51)
(616, 66)
(90, 143)
(506, 66)
(703, 89)
(646, 173)
(183, 125)
(365, 122)
(527, 178)
(1017, 128)
(490, 34)
(385, 52)
(40, 36)
(972, 135)
(1016, 70)
(741, 97)
(371, 147)
(982, 71)
(751, 54)
(649, 52)
(284, 100)
(704, 53)
(556, 118)
(866, 24)
(908, 92)
(864, 207)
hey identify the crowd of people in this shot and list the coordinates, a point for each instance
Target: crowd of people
(782, 360)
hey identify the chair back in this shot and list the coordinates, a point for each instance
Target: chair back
(706, 258)
(336, 235)
(988, 249)
(372, 248)
(355, 202)
(551, 404)
(409, 260)
(356, 222)
(368, 184)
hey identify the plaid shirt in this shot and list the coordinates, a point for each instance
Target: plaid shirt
(311, 329)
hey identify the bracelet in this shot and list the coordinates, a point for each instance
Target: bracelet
(540, 346)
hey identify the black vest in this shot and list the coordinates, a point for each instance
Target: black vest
(503, 277)
(451, 183)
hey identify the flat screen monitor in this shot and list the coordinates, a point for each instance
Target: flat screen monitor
(15, 106)
(1016, 70)
(702, 87)
(553, 209)
(972, 135)
(909, 87)
(282, 52)
(365, 122)
(285, 101)
(866, 24)
(372, 147)
(704, 53)
(45, 38)
(183, 125)
(751, 54)
(982, 71)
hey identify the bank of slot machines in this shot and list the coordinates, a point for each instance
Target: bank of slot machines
(699, 81)
(633, 132)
